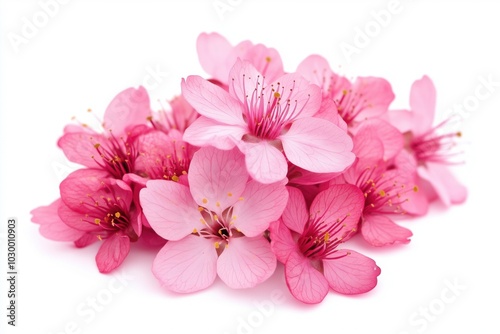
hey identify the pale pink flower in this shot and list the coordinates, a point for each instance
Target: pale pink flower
(178, 116)
(269, 123)
(431, 146)
(215, 225)
(365, 98)
(102, 209)
(307, 241)
(217, 56)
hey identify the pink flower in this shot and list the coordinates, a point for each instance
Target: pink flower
(101, 208)
(366, 97)
(114, 152)
(180, 115)
(432, 149)
(265, 119)
(217, 56)
(215, 226)
(307, 243)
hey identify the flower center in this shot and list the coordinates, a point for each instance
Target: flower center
(268, 110)
(350, 105)
(434, 147)
(218, 228)
(384, 192)
(117, 156)
(316, 242)
(169, 166)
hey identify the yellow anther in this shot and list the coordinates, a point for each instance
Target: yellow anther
(195, 230)
(217, 203)
(216, 217)
(184, 172)
(175, 178)
(277, 95)
(117, 214)
(382, 193)
(97, 221)
(97, 145)
(459, 134)
(268, 59)
(241, 199)
(200, 208)
(205, 201)
(229, 194)
(216, 244)
(415, 188)
(327, 236)
(99, 237)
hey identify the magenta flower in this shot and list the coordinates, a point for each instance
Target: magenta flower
(432, 148)
(217, 56)
(365, 98)
(113, 151)
(269, 123)
(307, 241)
(215, 226)
(101, 208)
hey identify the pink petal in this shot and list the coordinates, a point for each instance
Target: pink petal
(51, 226)
(282, 242)
(207, 132)
(446, 185)
(296, 214)
(340, 202)
(304, 281)
(402, 119)
(260, 204)
(316, 69)
(266, 60)
(417, 203)
(390, 137)
(318, 146)
(79, 147)
(112, 252)
(328, 111)
(368, 148)
(217, 178)
(246, 262)
(380, 231)
(212, 101)
(352, 274)
(129, 107)
(75, 219)
(169, 209)
(187, 265)
(422, 104)
(211, 51)
(85, 240)
(376, 95)
(265, 163)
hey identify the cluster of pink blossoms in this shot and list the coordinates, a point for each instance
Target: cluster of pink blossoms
(255, 166)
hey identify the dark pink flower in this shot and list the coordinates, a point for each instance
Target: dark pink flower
(101, 208)
(365, 98)
(307, 242)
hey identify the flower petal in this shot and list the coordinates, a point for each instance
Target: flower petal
(446, 185)
(112, 252)
(79, 147)
(296, 214)
(217, 178)
(211, 51)
(169, 209)
(130, 107)
(391, 138)
(187, 265)
(266, 60)
(304, 281)
(381, 231)
(260, 204)
(282, 242)
(51, 226)
(318, 146)
(207, 132)
(375, 94)
(265, 163)
(211, 101)
(351, 274)
(340, 202)
(422, 104)
(246, 262)
(316, 69)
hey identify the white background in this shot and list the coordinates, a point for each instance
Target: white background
(90, 50)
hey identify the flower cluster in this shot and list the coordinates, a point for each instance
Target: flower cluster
(255, 166)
